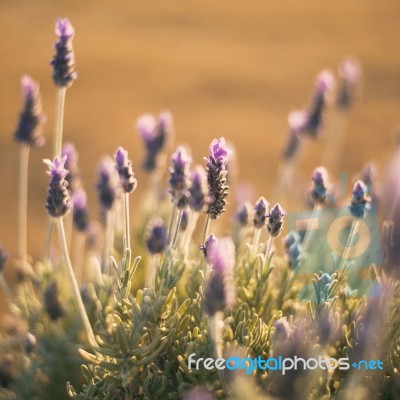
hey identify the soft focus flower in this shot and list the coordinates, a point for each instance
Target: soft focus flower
(31, 118)
(64, 60)
(124, 169)
(52, 303)
(179, 177)
(209, 244)
(297, 121)
(80, 213)
(156, 241)
(275, 220)
(282, 329)
(292, 237)
(71, 164)
(184, 220)
(155, 135)
(260, 213)
(216, 168)
(107, 184)
(58, 197)
(359, 200)
(294, 254)
(242, 214)
(3, 258)
(350, 74)
(219, 292)
(318, 190)
(197, 189)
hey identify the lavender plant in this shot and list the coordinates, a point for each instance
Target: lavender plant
(136, 313)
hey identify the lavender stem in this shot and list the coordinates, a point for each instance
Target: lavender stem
(189, 232)
(256, 241)
(85, 319)
(80, 243)
(23, 203)
(206, 227)
(353, 232)
(171, 223)
(127, 225)
(269, 246)
(178, 222)
(59, 121)
(108, 242)
(307, 236)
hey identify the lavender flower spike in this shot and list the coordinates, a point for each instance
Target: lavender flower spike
(350, 73)
(319, 186)
(179, 177)
(216, 168)
(58, 198)
(297, 122)
(107, 185)
(260, 213)
(31, 118)
(124, 169)
(197, 189)
(80, 213)
(219, 292)
(71, 164)
(275, 220)
(359, 201)
(208, 245)
(64, 60)
(156, 241)
(242, 214)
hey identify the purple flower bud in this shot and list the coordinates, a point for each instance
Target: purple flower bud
(124, 169)
(359, 201)
(291, 238)
(283, 330)
(324, 85)
(208, 245)
(80, 213)
(318, 190)
(216, 168)
(52, 304)
(242, 214)
(179, 177)
(197, 189)
(294, 254)
(31, 118)
(260, 213)
(58, 197)
(71, 164)
(275, 220)
(3, 259)
(155, 135)
(156, 241)
(107, 184)
(64, 60)
(350, 73)
(219, 292)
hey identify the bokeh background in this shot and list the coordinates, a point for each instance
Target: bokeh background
(224, 68)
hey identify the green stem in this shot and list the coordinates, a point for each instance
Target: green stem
(58, 134)
(171, 224)
(176, 230)
(256, 240)
(353, 231)
(23, 203)
(269, 246)
(127, 227)
(75, 287)
(108, 242)
(80, 242)
(206, 227)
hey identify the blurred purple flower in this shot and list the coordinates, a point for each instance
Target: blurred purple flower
(216, 168)
(107, 184)
(58, 201)
(260, 213)
(124, 169)
(208, 245)
(179, 177)
(52, 303)
(71, 164)
(297, 121)
(359, 200)
(31, 118)
(3, 258)
(184, 220)
(197, 189)
(318, 190)
(64, 60)
(283, 330)
(80, 212)
(242, 214)
(350, 73)
(156, 241)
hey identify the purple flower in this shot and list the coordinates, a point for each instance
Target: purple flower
(208, 245)
(124, 169)
(107, 184)
(179, 177)
(155, 135)
(31, 118)
(297, 121)
(294, 254)
(58, 197)
(324, 85)
(242, 214)
(359, 202)
(275, 220)
(156, 241)
(350, 73)
(291, 238)
(260, 213)
(318, 190)
(216, 168)
(197, 189)
(71, 164)
(64, 60)
(184, 220)
(80, 213)
(3, 259)
(283, 330)
(219, 291)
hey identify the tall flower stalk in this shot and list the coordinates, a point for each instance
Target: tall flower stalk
(28, 133)
(58, 205)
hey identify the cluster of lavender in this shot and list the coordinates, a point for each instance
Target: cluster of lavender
(136, 313)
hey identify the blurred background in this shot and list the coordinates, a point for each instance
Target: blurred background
(225, 68)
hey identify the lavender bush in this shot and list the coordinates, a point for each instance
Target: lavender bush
(119, 317)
